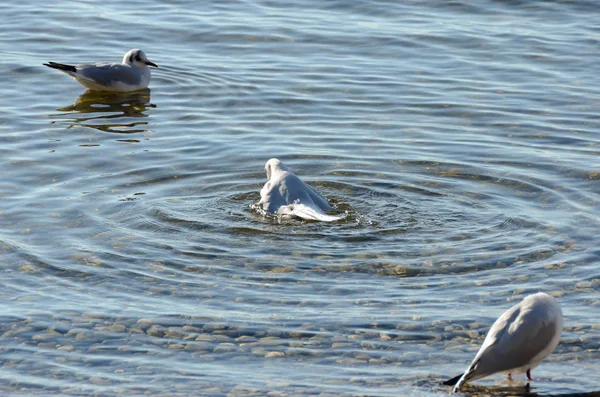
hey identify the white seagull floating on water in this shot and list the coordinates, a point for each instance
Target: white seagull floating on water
(518, 341)
(285, 194)
(131, 74)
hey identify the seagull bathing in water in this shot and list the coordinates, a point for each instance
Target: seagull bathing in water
(518, 341)
(286, 195)
(131, 74)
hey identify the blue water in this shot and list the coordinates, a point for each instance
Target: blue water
(460, 137)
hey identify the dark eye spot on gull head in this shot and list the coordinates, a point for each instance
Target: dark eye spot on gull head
(137, 57)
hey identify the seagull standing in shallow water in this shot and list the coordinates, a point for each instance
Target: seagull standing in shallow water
(131, 74)
(518, 341)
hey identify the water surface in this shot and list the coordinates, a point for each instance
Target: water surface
(461, 138)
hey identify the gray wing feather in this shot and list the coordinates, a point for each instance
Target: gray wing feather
(319, 200)
(109, 73)
(294, 189)
(289, 189)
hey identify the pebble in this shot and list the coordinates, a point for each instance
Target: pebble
(211, 391)
(340, 345)
(86, 334)
(144, 323)
(191, 329)
(156, 330)
(45, 336)
(60, 327)
(580, 327)
(259, 351)
(350, 361)
(17, 332)
(277, 394)
(223, 339)
(584, 285)
(172, 335)
(74, 331)
(191, 336)
(86, 324)
(369, 345)
(271, 341)
(246, 339)
(225, 348)
(206, 337)
(213, 327)
(95, 316)
(117, 328)
(99, 381)
(274, 354)
(199, 346)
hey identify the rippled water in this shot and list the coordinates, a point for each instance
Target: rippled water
(460, 137)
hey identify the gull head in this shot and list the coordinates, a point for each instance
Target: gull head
(271, 166)
(275, 166)
(136, 57)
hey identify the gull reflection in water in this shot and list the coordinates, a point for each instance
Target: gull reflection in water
(109, 112)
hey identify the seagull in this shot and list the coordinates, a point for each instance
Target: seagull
(131, 74)
(286, 195)
(518, 341)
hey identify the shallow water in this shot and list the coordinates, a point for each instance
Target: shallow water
(461, 138)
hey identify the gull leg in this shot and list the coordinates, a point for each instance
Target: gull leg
(529, 374)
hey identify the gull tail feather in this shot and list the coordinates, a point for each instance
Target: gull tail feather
(309, 213)
(463, 379)
(452, 382)
(468, 375)
(60, 66)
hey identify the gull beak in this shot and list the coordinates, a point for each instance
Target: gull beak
(151, 64)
